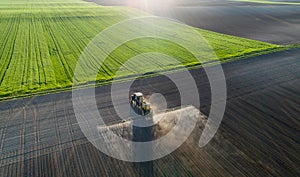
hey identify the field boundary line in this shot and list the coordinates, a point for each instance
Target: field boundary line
(149, 75)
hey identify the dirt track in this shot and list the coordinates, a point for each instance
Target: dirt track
(259, 134)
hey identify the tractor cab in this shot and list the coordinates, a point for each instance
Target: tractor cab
(138, 104)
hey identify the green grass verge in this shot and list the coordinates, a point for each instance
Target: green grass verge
(41, 41)
(294, 46)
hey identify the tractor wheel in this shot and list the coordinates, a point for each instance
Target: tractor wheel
(143, 112)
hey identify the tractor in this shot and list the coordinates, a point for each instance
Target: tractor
(139, 105)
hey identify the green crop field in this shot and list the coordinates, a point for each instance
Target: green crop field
(41, 41)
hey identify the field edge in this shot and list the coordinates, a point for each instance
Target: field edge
(149, 75)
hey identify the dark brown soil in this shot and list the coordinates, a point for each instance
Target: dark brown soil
(278, 24)
(259, 135)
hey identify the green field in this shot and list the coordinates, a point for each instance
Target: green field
(41, 41)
